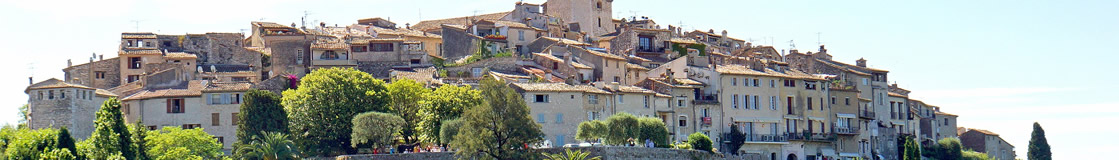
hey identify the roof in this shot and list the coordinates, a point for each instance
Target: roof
(712, 34)
(683, 41)
(682, 82)
(225, 67)
(106, 93)
(603, 55)
(946, 114)
(192, 89)
(558, 87)
(739, 70)
(271, 25)
(577, 65)
(400, 32)
(329, 45)
(794, 74)
(180, 55)
(631, 89)
(513, 24)
(436, 24)
(566, 41)
(895, 94)
(227, 87)
(635, 66)
(54, 83)
(137, 35)
(983, 131)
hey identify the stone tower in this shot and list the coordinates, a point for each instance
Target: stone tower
(593, 17)
(54, 103)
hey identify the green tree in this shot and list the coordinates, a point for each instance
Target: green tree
(973, 155)
(269, 146)
(652, 129)
(110, 134)
(375, 129)
(445, 103)
(139, 140)
(176, 143)
(23, 112)
(591, 130)
(620, 128)
(1039, 147)
(405, 97)
(736, 139)
(449, 129)
(57, 154)
(911, 151)
(948, 148)
(500, 128)
(322, 109)
(260, 113)
(571, 155)
(65, 141)
(28, 144)
(699, 141)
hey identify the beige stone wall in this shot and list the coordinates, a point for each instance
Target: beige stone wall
(145, 60)
(635, 104)
(85, 74)
(197, 111)
(558, 119)
(74, 111)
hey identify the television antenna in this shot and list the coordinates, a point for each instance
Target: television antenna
(818, 41)
(137, 24)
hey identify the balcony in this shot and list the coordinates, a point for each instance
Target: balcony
(866, 115)
(706, 99)
(650, 49)
(845, 130)
(335, 62)
(805, 136)
(756, 138)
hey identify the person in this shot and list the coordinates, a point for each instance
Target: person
(649, 143)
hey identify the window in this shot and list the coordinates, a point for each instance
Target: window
(705, 113)
(328, 55)
(945, 121)
(521, 35)
(809, 101)
(617, 79)
(541, 98)
(40, 95)
(540, 118)
(235, 118)
(221, 140)
(126, 108)
(599, 5)
(680, 103)
(236, 98)
(810, 85)
(646, 101)
(755, 82)
(733, 81)
(559, 141)
(559, 118)
(175, 105)
(381, 47)
(50, 94)
(592, 99)
(755, 102)
(134, 63)
(773, 102)
(299, 56)
(133, 78)
(621, 98)
(772, 84)
(746, 101)
(789, 104)
(683, 121)
(215, 118)
(62, 94)
(822, 104)
(735, 101)
(191, 126)
(847, 101)
(100, 74)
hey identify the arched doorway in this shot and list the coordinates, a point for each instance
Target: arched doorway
(792, 157)
(773, 156)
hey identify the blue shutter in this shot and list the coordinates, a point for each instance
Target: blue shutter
(209, 97)
(225, 98)
(559, 117)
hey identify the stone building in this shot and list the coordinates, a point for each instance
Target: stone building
(203, 104)
(54, 103)
(102, 73)
(551, 106)
(288, 48)
(593, 17)
(985, 141)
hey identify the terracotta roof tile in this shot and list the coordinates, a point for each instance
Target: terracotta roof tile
(635, 66)
(558, 87)
(180, 55)
(603, 55)
(54, 83)
(141, 52)
(436, 24)
(140, 35)
(227, 87)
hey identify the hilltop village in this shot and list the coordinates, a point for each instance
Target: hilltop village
(571, 60)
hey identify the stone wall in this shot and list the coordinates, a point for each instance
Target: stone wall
(499, 64)
(85, 74)
(606, 153)
(458, 44)
(275, 84)
(382, 70)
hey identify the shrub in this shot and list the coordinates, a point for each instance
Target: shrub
(699, 141)
(653, 129)
(374, 129)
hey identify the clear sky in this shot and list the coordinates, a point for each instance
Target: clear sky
(1001, 65)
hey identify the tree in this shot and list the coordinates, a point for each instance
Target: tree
(177, 143)
(621, 127)
(405, 97)
(500, 128)
(571, 155)
(139, 140)
(375, 129)
(973, 155)
(23, 112)
(911, 151)
(28, 144)
(445, 103)
(57, 154)
(700, 141)
(948, 148)
(110, 134)
(736, 139)
(65, 141)
(269, 146)
(322, 109)
(652, 129)
(591, 130)
(1039, 147)
(260, 113)
(449, 129)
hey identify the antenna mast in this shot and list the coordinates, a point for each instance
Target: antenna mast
(818, 41)
(137, 22)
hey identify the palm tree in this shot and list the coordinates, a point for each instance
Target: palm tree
(270, 146)
(571, 155)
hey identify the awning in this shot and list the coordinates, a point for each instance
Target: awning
(848, 154)
(757, 119)
(816, 118)
(845, 115)
(827, 152)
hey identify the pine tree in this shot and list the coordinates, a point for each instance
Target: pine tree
(110, 135)
(1039, 147)
(66, 141)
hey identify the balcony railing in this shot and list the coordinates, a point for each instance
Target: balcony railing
(766, 138)
(337, 62)
(706, 99)
(866, 114)
(845, 130)
(650, 49)
(805, 136)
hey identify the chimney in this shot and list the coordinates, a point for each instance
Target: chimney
(408, 25)
(30, 81)
(822, 50)
(101, 57)
(613, 86)
(69, 63)
(861, 62)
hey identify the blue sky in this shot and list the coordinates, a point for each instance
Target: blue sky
(1000, 65)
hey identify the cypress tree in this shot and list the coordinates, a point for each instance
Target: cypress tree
(1039, 147)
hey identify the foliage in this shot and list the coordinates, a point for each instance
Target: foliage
(736, 139)
(1039, 147)
(438, 62)
(591, 130)
(621, 127)
(375, 129)
(652, 129)
(139, 140)
(65, 141)
(445, 103)
(260, 113)
(682, 49)
(448, 130)
(110, 134)
(324, 104)
(948, 148)
(404, 97)
(682, 145)
(28, 144)
(910, 150)
(269, 146)
(57, 154)
(177, 143)
(973, 155)
(500, 128)
(571, 155)
(23, 112)
(699, 141)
